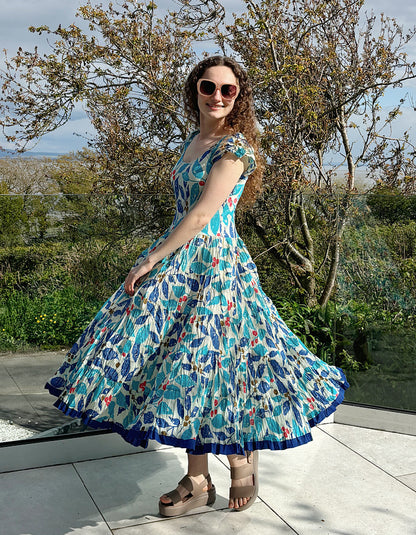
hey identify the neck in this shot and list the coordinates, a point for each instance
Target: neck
(211, 130)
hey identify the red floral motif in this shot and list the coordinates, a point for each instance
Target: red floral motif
(215, 402)
(229, 305)
(227, 322)
(201, 183)
(107, 400)
(215, 262)
(165, 385)
(286, 431)
(72, 390)
(142, 386)
(311, 400)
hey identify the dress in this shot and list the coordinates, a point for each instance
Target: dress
(199, 357)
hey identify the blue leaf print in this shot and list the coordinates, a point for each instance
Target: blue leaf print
(206, 432)
(188, 402)
(214, 337)
(197, 267)
(277, 368)
(263, 387)
(180, 278)
(185, 380)
(179, 408)
(141, 319)
(165, 289)
(193, 284)
(171, 392)
(286, 407)
(161, 422)
(125, 368)
(154, 337)
(109, 354)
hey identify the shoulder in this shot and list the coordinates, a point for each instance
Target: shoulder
(238, 145)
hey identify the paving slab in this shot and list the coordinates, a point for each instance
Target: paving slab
(258, 519)
(324, 487)
(48, 501)
(140, 479)
(409, 480)
(393, 452)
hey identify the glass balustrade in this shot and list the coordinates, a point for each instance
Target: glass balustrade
(61, 256)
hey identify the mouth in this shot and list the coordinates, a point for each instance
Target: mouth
(215, 106)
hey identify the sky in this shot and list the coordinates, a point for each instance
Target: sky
(18, 15)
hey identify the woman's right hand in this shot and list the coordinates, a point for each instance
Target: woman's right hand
(136, 273)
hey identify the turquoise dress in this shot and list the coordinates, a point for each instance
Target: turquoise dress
(199, 357)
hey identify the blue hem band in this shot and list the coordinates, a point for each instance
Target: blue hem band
(140, 438)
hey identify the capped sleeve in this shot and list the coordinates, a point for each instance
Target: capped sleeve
(240, 147)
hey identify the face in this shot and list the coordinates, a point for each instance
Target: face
(215, 106)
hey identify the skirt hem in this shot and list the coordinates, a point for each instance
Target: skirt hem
(139, 438)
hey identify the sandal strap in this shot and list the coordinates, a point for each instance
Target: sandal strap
(242, 492)
(185, 487)
(239, 472)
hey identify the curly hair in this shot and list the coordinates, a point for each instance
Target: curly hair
(241, 119)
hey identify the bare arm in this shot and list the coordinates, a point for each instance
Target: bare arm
(221, 180)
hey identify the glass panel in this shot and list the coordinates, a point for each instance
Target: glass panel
(376, 301)
(62, 256)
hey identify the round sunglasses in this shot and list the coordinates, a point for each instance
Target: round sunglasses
(206, 88)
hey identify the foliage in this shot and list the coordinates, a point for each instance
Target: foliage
(314, 66)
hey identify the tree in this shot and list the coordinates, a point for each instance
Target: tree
(315, 71)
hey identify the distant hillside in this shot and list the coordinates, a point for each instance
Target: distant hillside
(30, 154)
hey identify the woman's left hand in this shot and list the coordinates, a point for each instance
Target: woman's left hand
(136, 273)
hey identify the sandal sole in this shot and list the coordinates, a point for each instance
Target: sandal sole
(206, 498)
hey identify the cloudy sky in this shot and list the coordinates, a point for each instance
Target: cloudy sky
(17, 15)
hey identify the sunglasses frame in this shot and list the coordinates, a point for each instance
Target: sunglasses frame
(217, 86)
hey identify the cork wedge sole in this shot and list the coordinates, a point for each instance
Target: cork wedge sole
(188, 496)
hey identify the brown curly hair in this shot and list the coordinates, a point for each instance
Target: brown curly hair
(241, 119)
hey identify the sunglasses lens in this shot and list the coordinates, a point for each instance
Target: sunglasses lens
(228, 91)
(207, 88)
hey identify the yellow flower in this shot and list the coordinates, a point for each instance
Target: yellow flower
(38, 321)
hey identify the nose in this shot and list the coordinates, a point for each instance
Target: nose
(217, 94)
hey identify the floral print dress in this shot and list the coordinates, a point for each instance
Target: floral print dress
(199, 357)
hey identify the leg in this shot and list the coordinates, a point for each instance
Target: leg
(245, 474)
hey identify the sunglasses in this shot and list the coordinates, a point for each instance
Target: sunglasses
(206, 88)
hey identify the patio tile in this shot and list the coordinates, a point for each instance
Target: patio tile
(134, 483)
(48, 501)
(393, 452)
(323, 487)
(258, 519)
(409, 480)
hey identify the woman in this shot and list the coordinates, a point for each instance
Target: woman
(190, 351)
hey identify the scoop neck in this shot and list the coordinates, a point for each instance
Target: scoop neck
(191, 137)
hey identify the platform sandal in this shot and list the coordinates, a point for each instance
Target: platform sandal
(187, 496)
(240, 472)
